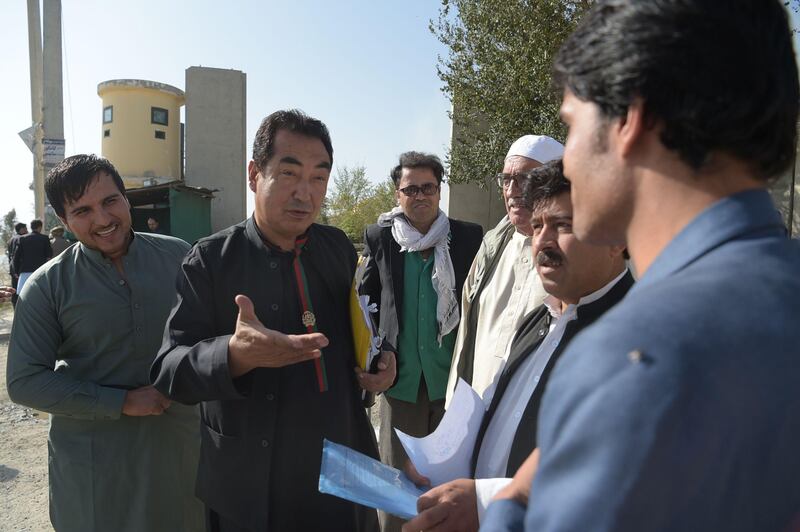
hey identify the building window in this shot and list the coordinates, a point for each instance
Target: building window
(107, 133)
(159, 116)
(108, 114)
(161, 135)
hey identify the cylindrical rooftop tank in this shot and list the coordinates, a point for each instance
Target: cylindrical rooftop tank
(141, 129)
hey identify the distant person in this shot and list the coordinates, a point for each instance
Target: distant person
(153, 225)
(678, 409)
(57, 240)
(502, 286)
(20, 229)
(88, 326)
(32, 251)
(417, 261)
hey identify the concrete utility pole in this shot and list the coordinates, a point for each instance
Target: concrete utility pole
(46, 137)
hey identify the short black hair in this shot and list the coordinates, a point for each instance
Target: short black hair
(717, 76)
(67, 182)
(19, 226)
(36, 224)
(544, 183)
(416, 159)
(292, 120)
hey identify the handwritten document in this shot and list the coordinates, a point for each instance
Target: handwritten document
(446, 454)
(353, 476)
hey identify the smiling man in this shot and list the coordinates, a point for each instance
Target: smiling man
(677, 410)
(417, 261)
(260, 336)
(87, 328)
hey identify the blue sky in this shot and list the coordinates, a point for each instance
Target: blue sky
(367, 69)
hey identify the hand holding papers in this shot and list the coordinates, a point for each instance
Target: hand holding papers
(446, 454)
(350, 475)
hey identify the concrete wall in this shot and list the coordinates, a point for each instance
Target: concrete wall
(131, 143)
(216, 106)
(472, 203)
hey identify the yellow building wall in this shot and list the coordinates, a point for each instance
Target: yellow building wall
(131, 144)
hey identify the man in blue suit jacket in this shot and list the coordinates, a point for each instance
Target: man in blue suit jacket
(678, 409)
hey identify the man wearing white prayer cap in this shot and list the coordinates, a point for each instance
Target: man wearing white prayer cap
(502, 286)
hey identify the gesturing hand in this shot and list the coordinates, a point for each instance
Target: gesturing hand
(383, 379)
(255, 346)
(144, 401)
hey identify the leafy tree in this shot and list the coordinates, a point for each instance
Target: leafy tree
(7, 230)
(498, 75)
(355, 202)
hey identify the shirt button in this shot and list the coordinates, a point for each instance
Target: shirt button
(274, 306)
(536, 378)
(273, 264)
(270, 397)
(121, 282)
(525, 260)
(136, 306)
(264, 443)
(138, 328)
(541, 332)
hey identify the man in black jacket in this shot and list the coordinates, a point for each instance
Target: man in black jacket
(418, 259)
(32, 250)
(20, 229)
(260, 336)
(583, 281)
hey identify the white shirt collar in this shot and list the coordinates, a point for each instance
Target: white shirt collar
(553, 304)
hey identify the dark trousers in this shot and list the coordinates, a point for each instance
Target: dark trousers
(415, 419)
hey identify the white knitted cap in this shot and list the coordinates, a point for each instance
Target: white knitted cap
(540, 148)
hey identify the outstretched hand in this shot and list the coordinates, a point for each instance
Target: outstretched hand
(254, 346)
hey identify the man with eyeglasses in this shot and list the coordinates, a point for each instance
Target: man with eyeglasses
(417, 262)
(502, 286)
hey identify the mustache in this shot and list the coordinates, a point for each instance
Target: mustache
(295, 205)
(549, 258)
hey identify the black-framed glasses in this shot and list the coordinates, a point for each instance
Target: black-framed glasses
(504, 180)
(429, 189)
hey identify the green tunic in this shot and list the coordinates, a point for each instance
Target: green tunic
(82, 336)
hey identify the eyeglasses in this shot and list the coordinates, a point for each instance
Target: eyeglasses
(429, 189)
(504, 180)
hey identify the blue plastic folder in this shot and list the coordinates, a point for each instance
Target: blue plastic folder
(356, 477)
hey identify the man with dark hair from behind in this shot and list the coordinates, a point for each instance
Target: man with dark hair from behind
(20, 229)
(32, 250)
(677, 410)
(260, 336)
(88, 325)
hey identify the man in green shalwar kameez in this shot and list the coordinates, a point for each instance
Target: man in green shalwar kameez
(87, 327)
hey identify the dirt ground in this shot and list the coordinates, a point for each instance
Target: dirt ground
(23, 454)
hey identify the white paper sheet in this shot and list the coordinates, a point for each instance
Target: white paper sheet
(446, 454)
